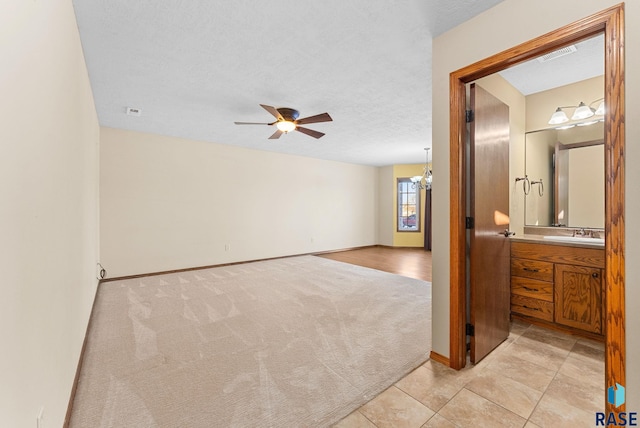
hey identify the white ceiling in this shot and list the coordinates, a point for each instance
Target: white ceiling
(194, 67)
(534, 76)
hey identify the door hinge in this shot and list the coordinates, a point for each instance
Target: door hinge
(469, 223)
(470, 330)
(469, 116)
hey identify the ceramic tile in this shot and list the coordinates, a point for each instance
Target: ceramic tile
(523, 371)
(565, 389)
(541, 355)
(438, 421)
(508, 393)
(394, 408)
(553, 413)
(464, 375)
(536, 336)
(597, 344)
(588, 350)
(468, 409)
(433, 388)
(518, 327)
(355, 420)
(584, 370)
(531, 425)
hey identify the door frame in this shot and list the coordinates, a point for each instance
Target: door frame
(609, 22)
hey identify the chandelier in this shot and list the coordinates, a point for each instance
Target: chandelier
(423, 181)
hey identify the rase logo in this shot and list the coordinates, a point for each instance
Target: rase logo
(615, 396)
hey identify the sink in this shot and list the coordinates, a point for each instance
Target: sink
(585, 240)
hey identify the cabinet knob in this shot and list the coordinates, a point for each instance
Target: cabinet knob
(595, 275)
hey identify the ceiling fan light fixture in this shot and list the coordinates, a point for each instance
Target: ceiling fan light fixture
(285, 126)
(558, 117)
(582, 112)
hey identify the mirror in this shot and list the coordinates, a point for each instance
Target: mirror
(565, 168)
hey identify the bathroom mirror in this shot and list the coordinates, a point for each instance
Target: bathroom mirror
(565, 168)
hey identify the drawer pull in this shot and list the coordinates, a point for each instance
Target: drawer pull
(533, 309)
(529, 288)
(531, 270)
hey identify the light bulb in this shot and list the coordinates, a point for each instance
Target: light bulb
(286, 126)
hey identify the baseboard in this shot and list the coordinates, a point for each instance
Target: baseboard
(143, 275)
(440, 358)
(74, 386)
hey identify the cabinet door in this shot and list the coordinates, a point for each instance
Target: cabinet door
(578, 297)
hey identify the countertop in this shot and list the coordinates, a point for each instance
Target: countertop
(540, 239)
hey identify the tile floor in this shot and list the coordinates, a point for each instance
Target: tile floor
(536, 378)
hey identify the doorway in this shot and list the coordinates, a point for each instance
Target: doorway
(610, 23)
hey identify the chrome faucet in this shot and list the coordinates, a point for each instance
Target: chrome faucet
(586, 233)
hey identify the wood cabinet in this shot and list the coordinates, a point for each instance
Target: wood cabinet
(558, 285)
(578, 297)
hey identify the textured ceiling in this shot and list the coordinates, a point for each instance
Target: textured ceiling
(533, 76)
(194, 67)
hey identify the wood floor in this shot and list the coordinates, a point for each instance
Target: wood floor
(411, 262)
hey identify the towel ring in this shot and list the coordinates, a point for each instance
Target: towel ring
(526, 184)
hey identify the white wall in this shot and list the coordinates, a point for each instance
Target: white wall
(48, 208)
(169, 203)
(495, 30)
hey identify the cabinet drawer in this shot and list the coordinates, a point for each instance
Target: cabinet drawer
(534, 269)
(532, 307)
(532, 288)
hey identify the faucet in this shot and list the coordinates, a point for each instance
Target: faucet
(585, 233)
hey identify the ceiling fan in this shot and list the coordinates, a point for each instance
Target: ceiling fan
(287, 121)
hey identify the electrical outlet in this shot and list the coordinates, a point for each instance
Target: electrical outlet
(227, 247)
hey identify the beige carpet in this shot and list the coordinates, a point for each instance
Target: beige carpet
(293, 342)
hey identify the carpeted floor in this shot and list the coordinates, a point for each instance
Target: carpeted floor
(293, 342)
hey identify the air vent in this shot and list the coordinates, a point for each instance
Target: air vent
(132, 111)
(568, 50)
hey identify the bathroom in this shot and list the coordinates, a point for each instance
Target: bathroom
(556, 188)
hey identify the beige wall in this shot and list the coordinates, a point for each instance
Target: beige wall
(386, 205)
(587, 186)
(48, 208)
(493, 31)
(168, 203)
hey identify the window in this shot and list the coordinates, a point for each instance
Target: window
(408, 206)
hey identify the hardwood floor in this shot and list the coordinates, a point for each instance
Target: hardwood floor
(411, 262)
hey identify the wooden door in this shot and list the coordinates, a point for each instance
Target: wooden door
(489, 209)
(578, 297)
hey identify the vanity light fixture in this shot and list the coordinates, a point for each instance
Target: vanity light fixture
(582, 111)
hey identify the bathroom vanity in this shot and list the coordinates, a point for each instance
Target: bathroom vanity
(558, 283)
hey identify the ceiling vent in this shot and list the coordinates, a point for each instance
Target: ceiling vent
(568, 50)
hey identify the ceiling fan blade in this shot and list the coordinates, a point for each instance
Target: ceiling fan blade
(324, 117)
(272, 110)
(310, 132)
(252, 123)
(276, 135)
